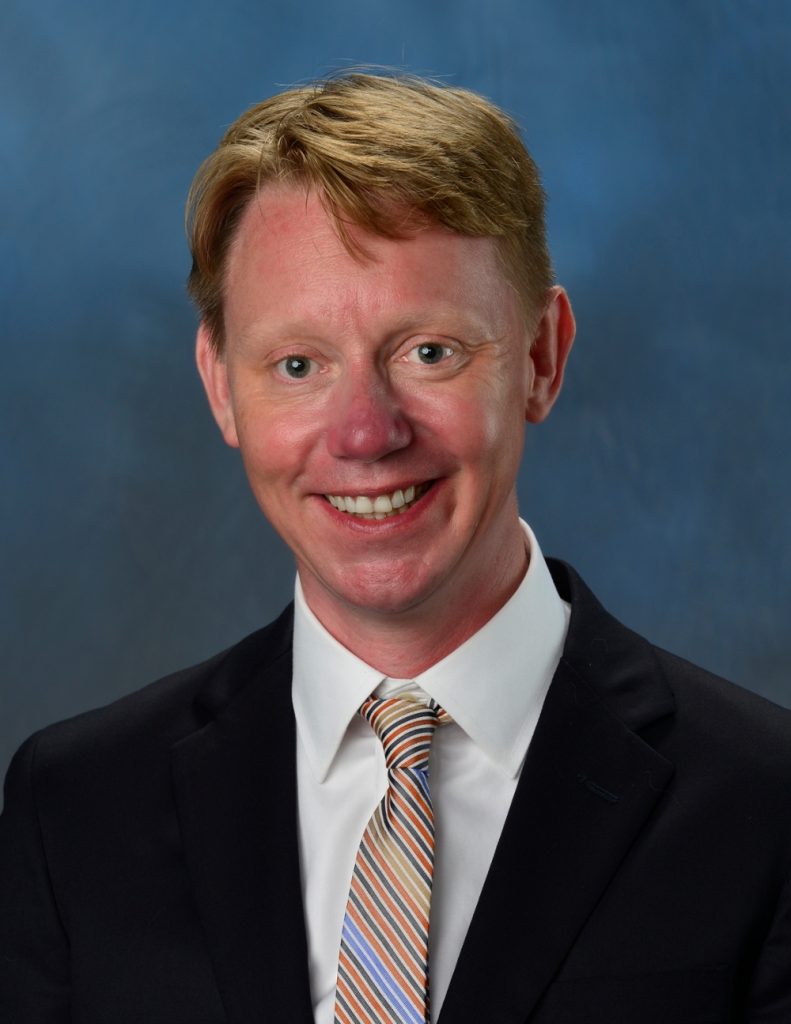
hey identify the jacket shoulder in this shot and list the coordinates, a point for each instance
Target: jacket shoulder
(148, 721)
(683, 710)
(725, 718)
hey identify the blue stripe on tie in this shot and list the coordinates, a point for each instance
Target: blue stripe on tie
(421, 777)
(358, 943)
(378, 972)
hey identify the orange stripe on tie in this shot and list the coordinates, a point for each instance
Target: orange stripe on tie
(383, 961)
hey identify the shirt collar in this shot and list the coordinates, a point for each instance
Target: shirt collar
(493, 685)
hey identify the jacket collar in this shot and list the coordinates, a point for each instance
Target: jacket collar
(235, 784)
(588, 786)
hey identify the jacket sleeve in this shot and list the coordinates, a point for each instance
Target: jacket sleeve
(34, 949)
(770, 996)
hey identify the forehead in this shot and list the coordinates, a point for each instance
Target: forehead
(287, 256)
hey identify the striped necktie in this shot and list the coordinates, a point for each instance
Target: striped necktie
(383, 962)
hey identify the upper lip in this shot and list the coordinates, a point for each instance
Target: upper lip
(374, 492)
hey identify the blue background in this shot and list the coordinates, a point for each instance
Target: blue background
(130, 543)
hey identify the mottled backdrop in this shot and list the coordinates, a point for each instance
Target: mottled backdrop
(130, 545)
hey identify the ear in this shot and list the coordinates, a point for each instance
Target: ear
(548, 354)
(214, 374)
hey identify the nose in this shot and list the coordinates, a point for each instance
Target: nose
(366, 420)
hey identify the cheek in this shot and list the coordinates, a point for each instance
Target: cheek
(275, 443)
(485, 426)
(501, 446)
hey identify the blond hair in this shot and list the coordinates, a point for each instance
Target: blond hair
(377, 150)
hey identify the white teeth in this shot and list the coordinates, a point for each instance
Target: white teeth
(380, 507)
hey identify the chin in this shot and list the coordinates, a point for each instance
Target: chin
(386, 593)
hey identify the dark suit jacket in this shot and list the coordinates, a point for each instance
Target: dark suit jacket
(149, 858)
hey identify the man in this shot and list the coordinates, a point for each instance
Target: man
(606, 835)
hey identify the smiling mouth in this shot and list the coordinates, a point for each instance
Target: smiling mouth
(380, 506)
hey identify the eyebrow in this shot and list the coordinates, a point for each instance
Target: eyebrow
(446, 319)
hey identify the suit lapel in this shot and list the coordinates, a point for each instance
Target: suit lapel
(588, 785)
(235, 782)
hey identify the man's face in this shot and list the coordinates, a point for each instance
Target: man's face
(379, 406)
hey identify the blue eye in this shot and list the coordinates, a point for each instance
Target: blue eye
(430, 353)
(297, 367)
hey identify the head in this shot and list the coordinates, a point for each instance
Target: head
(377, 325)
(385, 154)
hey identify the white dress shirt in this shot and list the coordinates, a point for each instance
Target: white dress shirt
(493, 686)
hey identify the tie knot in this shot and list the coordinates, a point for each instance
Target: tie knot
(405, 728)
